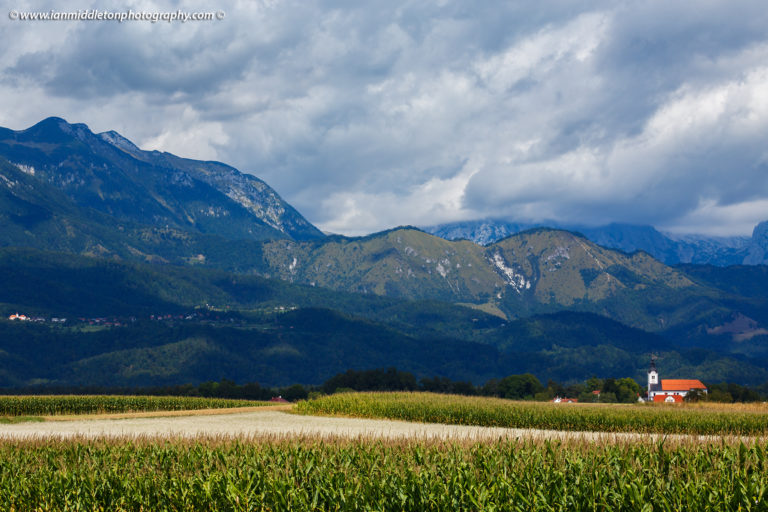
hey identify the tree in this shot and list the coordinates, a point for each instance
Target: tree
(295, 392)
(608, 397)
(555, 388)
(436, 385)
(372, 380)
(491, 388)
(523, 386)
(627, 390)
(463, 388)
(717, 395)
(594, 384)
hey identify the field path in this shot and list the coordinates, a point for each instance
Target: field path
(278, 423)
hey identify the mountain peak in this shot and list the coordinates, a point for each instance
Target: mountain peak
(120, 142)
(55, 130)
(52, 121)
(49, 125)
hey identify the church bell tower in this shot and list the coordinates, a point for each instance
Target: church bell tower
(653, 378)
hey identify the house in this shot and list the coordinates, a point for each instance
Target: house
(279, 400)
(17, 316)
(670, 390)
(559, 400)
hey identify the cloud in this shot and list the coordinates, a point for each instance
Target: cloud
(102, 59)
(366, 116)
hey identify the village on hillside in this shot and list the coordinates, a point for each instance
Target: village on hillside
(207, 313)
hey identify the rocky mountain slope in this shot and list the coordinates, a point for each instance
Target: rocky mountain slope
(546, 265)
(109, 174)
(536, 271)
(34, 213)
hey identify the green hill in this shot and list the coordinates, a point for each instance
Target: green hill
(538, 271)
(141, 324)
(540, 266)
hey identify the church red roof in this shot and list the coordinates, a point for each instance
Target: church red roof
(663, 398)
(681, 384)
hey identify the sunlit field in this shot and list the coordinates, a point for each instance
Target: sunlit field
(697, 419)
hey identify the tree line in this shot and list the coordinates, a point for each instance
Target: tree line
(517, 387)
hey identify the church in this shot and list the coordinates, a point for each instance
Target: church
(669, 390)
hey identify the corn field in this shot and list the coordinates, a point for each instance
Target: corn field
(55, 405)
(492, 412)
(328, 474)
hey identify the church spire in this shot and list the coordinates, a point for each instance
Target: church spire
(653, 378)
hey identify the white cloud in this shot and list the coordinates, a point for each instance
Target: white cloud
(439, 199)
(537, 56)
(189, 136)
(709, 218)
(366, 116)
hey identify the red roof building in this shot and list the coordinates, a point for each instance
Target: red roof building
(668, 398)
(681, 384)
(670, 390)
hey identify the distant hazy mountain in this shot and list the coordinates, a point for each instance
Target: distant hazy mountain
(483, 232)
(668, 248)
(757, 251)
(109, 174)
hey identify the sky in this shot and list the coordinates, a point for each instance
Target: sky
(366, 115)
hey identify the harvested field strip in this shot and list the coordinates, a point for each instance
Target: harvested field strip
(322, 474)
(272, 421)
(492, 412)
(100, 404)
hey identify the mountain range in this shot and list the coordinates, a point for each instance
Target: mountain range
(138, 324)
(108, 174)
(93, 226)
(668, 248)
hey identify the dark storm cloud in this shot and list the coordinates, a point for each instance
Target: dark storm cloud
(368, 115)
(108, 60)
